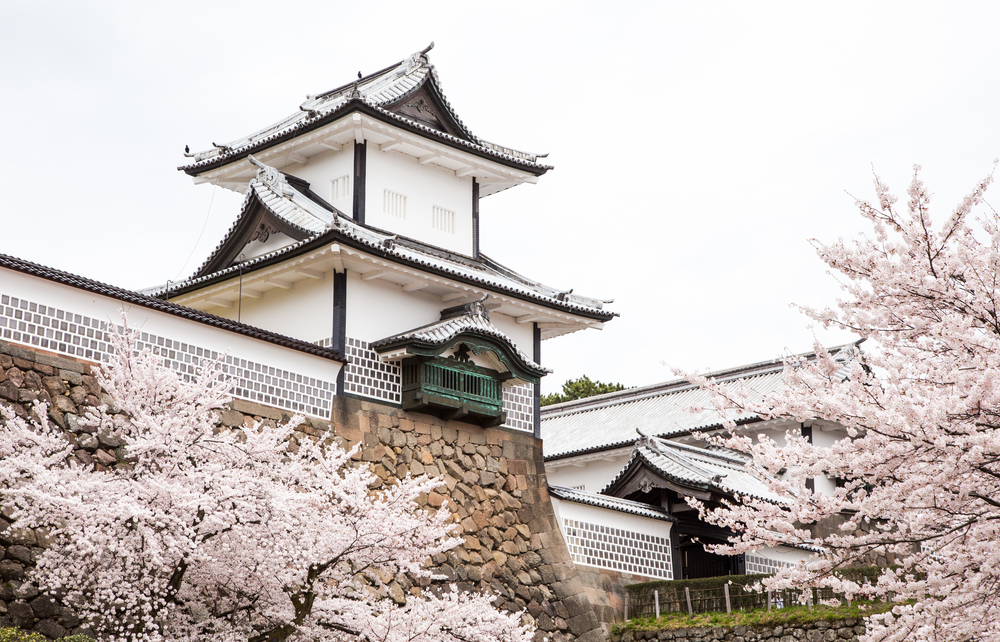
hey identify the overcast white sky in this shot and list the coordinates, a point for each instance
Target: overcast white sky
(698, 146)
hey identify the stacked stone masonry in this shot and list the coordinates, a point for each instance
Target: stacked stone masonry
(846, 630)
(494, 484)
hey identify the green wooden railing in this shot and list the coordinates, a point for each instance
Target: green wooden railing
(448, 384)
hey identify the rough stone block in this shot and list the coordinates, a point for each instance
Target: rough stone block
(581, 624)
(9, 390)
(21, 614)
(44, 607)
(50, 629)
(11, 570)
(104, 457)
(20, 554)
(62, 363)
(64, 404)
(71, 377)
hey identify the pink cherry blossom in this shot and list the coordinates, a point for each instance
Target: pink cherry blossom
(204, 533)
(921, 468)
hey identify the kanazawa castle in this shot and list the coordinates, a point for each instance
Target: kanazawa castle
(353, 275)
(360, 231)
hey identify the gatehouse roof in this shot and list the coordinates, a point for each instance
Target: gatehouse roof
(698, 469)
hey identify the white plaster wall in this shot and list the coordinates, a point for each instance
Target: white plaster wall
(303, 312)
(378, 309)
(565, 510)
(326, 167)
(592, 475)
(826, 438)
(166, 325)
(274, 242)
(784, 554)
(777, 435)
(424, 187)
(821, 438)
(825, 485)
(522, 334)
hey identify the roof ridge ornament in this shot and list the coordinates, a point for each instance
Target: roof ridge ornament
(662, 447)
(648, 441)
(473, 309)
(271, 177)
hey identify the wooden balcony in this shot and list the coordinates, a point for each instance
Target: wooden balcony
(453, 389)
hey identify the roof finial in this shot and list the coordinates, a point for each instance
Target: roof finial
(269, 176)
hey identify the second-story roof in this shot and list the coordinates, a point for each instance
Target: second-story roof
(311, 223)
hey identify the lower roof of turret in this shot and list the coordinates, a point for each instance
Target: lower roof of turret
(322, 224)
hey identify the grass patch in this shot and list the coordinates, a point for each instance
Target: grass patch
(17, 635)
(791, 615)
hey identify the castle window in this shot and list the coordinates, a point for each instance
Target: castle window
(394, 204)
(338, 188)
(444, 220)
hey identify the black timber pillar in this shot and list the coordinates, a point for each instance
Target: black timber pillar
(807, 432)
(475, 220)
(536, 356)
(339, 330)
(675, 553)
(360, 165)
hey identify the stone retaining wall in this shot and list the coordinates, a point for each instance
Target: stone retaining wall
(834, 631)
(494, 484)
(605, 588)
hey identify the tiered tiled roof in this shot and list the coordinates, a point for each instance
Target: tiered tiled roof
(300, 208)
(609, 421)
(372, 93)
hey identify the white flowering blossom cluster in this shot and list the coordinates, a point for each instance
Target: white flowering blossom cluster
(920, 473)
(217, 534)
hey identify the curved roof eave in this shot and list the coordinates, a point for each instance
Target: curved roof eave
(374, 111)
(336, 236)
(441, 333)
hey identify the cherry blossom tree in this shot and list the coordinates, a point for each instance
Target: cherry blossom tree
(920, 472)
(204, 533)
